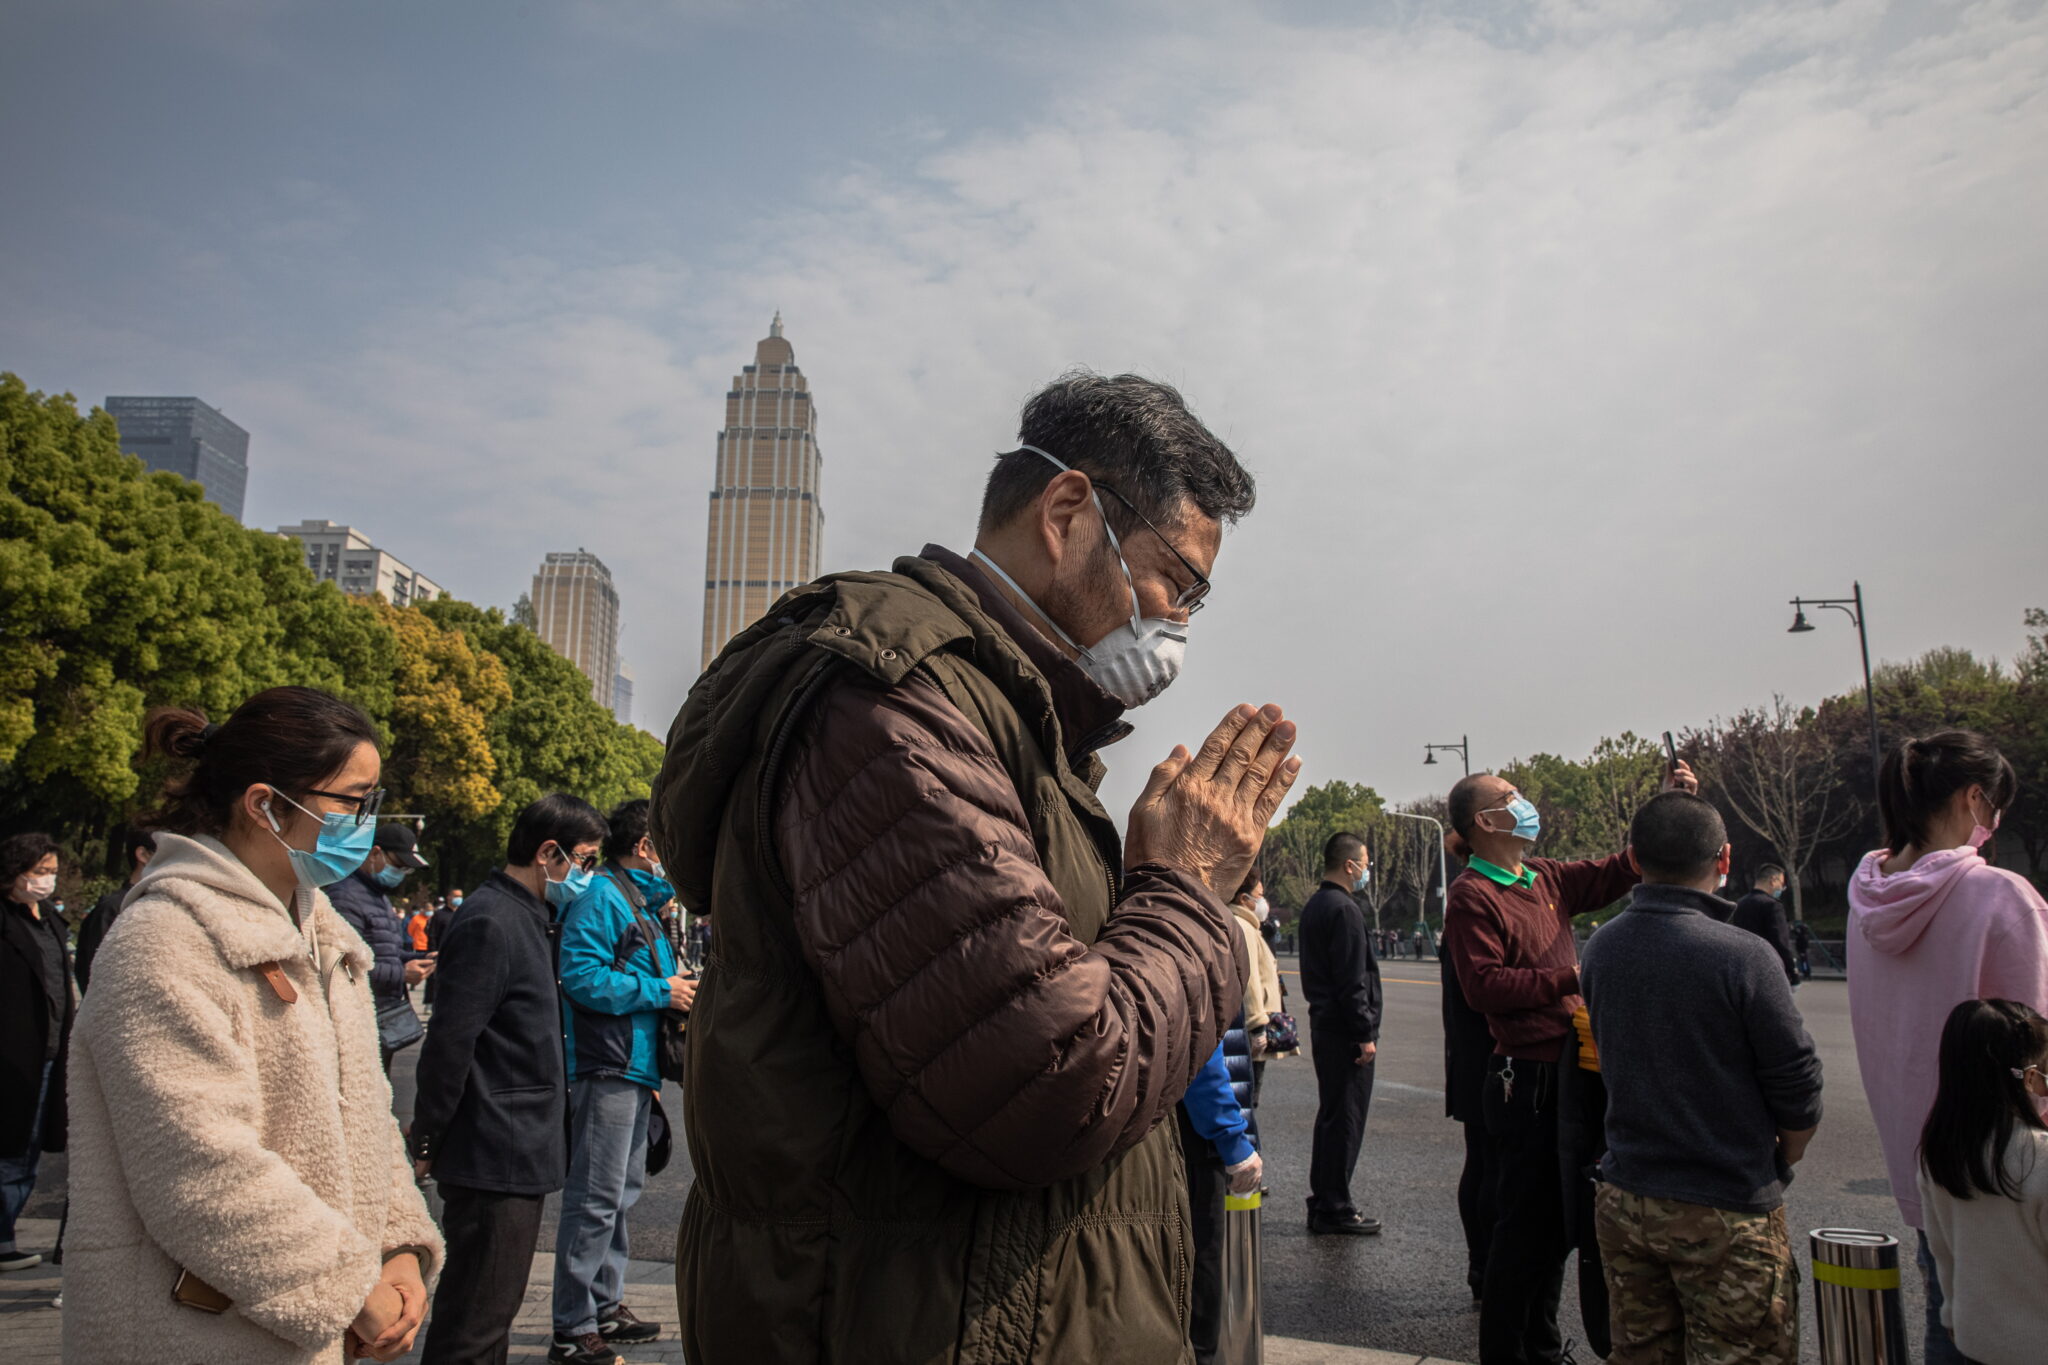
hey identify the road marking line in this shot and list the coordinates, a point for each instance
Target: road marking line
(1397, 980)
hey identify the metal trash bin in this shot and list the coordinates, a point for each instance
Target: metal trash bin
(1240, 1339)
(1856, 1297)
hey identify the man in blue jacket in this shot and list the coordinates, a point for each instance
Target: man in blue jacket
(488, 1120)
(618, 975)
(1216, 1141)
(363, 898)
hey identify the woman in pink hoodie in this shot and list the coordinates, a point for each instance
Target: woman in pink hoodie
(1932, 924)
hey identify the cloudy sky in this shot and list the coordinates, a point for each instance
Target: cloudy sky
(1568, 340)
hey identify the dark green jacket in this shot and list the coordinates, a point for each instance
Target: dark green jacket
(940, 1023)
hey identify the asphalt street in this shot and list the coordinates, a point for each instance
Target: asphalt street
(1405, 1289)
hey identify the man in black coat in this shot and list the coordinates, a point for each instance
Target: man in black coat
(1762, 914)
(489, 1123)
(363, 898)
(141, 844)
(1341, 979)
(1468, 1053)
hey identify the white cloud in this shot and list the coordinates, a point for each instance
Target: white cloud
(1564, 357)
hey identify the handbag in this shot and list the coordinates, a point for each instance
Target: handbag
(397, 1026)
(1283, 1035)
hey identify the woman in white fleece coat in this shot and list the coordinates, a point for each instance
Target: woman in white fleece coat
(231, 1123)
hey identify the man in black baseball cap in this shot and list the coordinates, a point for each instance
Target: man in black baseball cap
(364, 899)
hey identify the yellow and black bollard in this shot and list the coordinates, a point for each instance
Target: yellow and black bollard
(1241, 1340)
(1856, 1297)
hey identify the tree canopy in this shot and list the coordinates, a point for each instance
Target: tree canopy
(122, 590)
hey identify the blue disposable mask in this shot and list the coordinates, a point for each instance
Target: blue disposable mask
(1528, 823)
(343, 844)
(1363, 880)
(391, 878)
(560, 893)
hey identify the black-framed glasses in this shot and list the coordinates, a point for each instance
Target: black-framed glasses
(1191, 597)
(366, 806)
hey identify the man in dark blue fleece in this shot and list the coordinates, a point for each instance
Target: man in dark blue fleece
(1713, 1092)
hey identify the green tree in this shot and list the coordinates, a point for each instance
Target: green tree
(550, 736)
(445, 692)
(121, 590)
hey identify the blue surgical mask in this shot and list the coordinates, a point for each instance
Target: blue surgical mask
(1362, 880)
(1528, 823)
(560, 893)
(343, 844)
(392, 877)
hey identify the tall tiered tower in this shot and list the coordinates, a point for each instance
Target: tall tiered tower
(767, 530)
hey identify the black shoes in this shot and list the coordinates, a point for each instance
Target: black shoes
(588, 1349)
(621, 1327)
(1356, 1225)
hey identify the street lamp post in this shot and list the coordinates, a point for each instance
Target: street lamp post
(1443, 864)
(1463, 749)
(1852, 607)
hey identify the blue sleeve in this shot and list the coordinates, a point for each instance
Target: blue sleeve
(591, 929)
(1212, 1108)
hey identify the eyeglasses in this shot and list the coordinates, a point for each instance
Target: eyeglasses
(588, 862)
(366, 806)
(1190, 599)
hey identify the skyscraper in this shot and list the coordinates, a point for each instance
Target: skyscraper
(576, 609)
(185, 436)
(767, 529)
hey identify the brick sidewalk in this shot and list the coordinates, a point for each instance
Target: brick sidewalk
(30, 1333)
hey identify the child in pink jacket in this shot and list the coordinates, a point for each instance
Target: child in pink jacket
(1932, 924)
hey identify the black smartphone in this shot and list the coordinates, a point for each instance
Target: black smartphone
(1670, 751)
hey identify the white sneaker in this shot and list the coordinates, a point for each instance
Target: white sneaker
(19, 1260)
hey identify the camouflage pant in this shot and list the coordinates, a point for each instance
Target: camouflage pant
(1696, 1285)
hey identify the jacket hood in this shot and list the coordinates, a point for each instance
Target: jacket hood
(882, 625)
(247, 923)
(1892, 912)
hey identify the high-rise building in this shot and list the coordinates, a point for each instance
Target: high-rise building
(576, 609)
(344, 556)
(186, 437)
(767, 529)
(622, 695)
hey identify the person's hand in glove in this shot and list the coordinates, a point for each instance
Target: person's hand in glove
(1245, 1177)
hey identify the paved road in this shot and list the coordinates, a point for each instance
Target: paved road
(1403, 1291)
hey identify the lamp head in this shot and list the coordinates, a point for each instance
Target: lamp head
(1800, 625)
(1429, 756)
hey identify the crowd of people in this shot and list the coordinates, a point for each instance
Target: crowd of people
(972, 1068)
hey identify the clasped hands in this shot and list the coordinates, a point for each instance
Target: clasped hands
(1206, 813)
(391, 1316)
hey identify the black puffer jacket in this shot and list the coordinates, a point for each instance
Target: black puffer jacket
(368, 911)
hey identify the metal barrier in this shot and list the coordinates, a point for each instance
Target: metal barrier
(1856, 1297)
(1241, 1338)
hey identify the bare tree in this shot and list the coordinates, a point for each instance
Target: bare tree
(1779, 774)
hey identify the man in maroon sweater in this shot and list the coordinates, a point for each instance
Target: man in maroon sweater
(1508, 935)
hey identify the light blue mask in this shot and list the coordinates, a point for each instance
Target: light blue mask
(560, 893)
(391, 878)
(340, 849)
(1528, 823)
(1364, 880)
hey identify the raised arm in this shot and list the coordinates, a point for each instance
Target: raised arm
(998, 1044)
